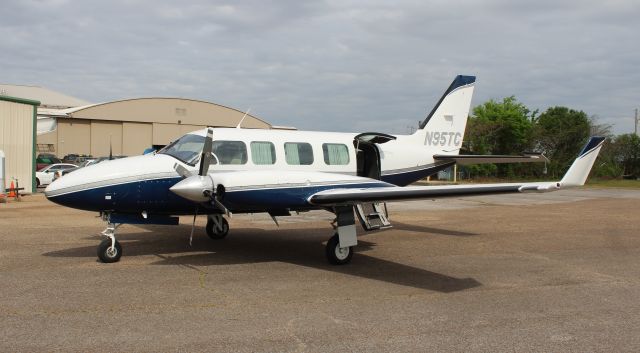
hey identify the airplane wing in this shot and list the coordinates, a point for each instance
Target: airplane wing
(575, 176)
(466, 159)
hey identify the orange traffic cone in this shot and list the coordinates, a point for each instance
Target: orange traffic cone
(12, 192)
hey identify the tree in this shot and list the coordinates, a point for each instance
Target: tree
(500, 127)
(627, 151)
(559, 133)
(607, 165)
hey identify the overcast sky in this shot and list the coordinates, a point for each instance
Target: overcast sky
(331, 65)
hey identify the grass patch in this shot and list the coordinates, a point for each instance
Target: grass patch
(614, 183)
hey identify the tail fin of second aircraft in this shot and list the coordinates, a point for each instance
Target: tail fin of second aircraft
(579, 170)
(444, 126)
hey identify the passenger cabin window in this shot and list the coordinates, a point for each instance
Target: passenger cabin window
(335, 154)
(298, 153)
(229, 152)
(263, 152)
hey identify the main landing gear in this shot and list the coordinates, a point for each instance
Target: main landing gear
(339, 249)
(337, 255)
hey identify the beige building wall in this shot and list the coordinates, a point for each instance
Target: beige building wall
(105, 134)
(165, 133)
(74, 136)
(49, 138)
(16, 140)
(136, 138)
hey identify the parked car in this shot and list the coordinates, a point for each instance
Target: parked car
(45, 175)
(46, 155)
(42, 162)
(75, 158)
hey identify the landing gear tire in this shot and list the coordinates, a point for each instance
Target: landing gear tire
(107, 254)
(217, 232)
(337, 255)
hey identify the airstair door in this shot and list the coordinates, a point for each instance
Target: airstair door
(373, 215)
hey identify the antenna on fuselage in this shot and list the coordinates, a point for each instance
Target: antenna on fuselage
(244, 116)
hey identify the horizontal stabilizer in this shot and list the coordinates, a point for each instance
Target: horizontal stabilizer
(467, 159)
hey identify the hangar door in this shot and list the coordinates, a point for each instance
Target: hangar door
(136, 138)
(103, 132)
(74, 136)
(163, 134)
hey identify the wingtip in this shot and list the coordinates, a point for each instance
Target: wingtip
(581, 167)
(593, 143)
(462, 80)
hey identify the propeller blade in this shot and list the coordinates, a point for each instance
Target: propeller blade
(205, 159)
(182, 171)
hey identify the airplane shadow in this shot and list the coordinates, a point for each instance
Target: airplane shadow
(254, 245)
(422, 229)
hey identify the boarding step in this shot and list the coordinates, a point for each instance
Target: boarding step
(373, 215)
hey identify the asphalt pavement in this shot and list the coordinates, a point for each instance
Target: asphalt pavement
(555, 272)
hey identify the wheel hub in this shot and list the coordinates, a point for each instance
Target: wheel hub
(112, 252)
(342, 253)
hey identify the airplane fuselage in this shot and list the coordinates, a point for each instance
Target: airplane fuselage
(259, 169)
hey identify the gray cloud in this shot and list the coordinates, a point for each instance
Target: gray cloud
(333, 65)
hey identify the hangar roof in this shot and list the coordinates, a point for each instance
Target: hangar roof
(46, 97)
(166, 110)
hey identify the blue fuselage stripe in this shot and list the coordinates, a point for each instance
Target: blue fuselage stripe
(153, 196)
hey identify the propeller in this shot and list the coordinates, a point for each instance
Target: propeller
(205, 158)
(110, 149)
(199, 187)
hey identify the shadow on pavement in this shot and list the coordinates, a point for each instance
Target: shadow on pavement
(422, 229)
(254, 245)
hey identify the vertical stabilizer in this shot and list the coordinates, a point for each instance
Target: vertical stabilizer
(444, 126)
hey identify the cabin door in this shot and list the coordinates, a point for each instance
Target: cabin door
(367, 153)
(368, 160)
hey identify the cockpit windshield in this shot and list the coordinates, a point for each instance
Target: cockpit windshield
(187, 148)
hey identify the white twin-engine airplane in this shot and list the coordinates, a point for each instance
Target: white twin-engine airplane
(219, 171)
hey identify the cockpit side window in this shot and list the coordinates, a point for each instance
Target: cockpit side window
(186, 149)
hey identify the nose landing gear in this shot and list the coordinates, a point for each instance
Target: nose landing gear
(217, 226)
(110, 250)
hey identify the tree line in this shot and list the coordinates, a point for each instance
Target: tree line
(509, 127)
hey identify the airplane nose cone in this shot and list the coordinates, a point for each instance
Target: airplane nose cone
(119, 184)
(193, 188)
